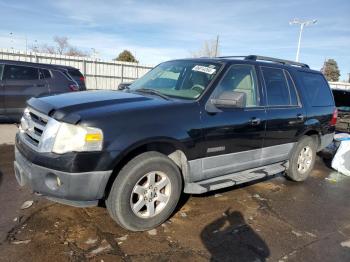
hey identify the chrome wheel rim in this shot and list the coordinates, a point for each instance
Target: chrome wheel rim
(305, 159)
(151, 194)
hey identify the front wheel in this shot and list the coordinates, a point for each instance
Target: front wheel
(145, 192)
(302, 159)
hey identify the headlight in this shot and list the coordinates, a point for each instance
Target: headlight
(71, 138)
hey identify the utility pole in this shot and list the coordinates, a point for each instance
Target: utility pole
(217, 46)
(302, 24)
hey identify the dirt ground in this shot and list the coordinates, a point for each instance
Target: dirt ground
(269, 220)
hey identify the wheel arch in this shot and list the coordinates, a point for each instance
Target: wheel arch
(172, 148)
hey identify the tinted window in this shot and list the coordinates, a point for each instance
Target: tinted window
(1, 71)
(13, 72)
(342, 99)
(276, 87)
(317, 89)
(44, 74)
(240, 78)
(75, 73)
(292, 90)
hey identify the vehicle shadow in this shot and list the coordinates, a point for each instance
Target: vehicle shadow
(230, 238)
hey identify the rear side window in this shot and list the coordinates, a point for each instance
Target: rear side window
(279, 91)
(14, 72)
(45, 74)
(75, 73)
(317, 89)
(1, 71)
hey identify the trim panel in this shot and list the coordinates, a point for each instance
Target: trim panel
(209, 167)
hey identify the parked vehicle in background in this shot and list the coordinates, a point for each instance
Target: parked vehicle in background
(342, 102)
(19, 81)
(191, 125)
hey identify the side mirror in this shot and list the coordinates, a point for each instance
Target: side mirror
(123, 86)
(230, 99)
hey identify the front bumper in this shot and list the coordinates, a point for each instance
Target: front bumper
(70, 188)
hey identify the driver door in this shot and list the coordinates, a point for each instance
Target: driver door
(234, 135)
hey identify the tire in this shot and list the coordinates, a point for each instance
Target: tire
(132, 188)
(295, 171)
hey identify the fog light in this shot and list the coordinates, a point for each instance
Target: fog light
(58, 180)
(52, 181)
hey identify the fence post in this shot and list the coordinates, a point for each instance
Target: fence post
(84, 68)
(122, 76)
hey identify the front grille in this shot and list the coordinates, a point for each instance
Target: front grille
(33, 125)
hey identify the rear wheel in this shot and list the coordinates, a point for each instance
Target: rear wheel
(145, 192)
(302, 159)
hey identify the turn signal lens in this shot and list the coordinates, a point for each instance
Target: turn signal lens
(93, 137)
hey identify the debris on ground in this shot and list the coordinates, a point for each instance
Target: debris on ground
(91, 241)
(218, 195)
(27, 204)
(152, 232)
(257, 196)
(104, 247)
(335, 177)
(123, 238)
(345, 243)
(310, 234)
(19, 242)
(183, 214)
(298, 234)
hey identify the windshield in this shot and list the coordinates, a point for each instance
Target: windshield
(342, 99)
(181, 79)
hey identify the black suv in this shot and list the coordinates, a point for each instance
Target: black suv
(191, 125)
(20, 81)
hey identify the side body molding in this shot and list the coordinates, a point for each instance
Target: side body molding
(214, 166)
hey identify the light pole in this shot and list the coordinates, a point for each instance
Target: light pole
(302, 24)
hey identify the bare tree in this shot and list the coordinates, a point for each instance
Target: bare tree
(62, 44)
(61, 47)
(210, 48)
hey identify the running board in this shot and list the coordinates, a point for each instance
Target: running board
(235, 178)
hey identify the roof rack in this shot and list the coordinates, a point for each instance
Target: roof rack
(269, 59)
(276, 60)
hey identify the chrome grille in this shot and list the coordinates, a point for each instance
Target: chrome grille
(33, 124)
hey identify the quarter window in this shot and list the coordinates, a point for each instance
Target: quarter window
(317, 89)
(240, 78)
(277, 88)
(13, 72)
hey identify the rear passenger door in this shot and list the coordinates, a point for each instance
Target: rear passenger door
(285, 113)
(20, 84)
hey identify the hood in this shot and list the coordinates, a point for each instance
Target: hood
(69, 106)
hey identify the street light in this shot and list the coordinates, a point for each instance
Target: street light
(302, 24)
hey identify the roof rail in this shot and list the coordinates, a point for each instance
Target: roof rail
(276, 60)
(232, 56)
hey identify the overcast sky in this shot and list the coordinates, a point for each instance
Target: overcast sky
(161, 30)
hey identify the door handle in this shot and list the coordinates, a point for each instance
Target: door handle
(255, 121)
(300, 117)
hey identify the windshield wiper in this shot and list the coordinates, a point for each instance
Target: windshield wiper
(153, 92)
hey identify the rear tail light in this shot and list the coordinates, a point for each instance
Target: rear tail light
(73, 87)
(82, 79)
(334, 117)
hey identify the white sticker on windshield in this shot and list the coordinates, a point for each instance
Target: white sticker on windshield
(204, 69)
